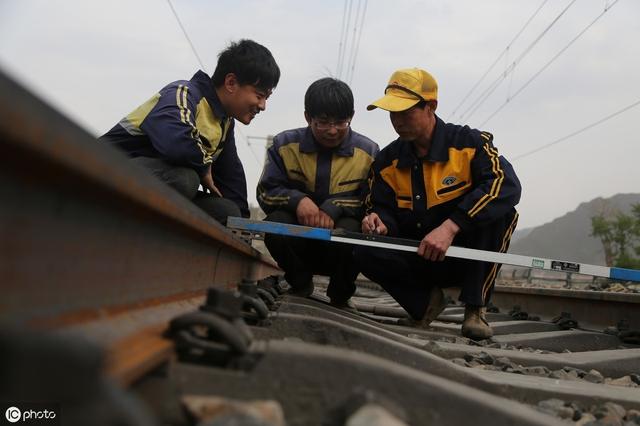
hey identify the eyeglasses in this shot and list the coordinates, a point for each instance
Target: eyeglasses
(327, 124)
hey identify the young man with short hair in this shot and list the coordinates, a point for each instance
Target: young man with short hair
(185, 133)
(316, 176)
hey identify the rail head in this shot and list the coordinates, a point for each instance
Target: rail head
(84, 230)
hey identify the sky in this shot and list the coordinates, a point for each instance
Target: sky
(95, 61)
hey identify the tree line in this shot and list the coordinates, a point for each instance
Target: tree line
(620, 237)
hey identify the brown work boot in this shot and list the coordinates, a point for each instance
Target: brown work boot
(436, 305)
(475, 326)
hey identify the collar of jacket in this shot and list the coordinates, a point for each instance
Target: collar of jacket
(205, 85)
(438, 152)
(345, 149)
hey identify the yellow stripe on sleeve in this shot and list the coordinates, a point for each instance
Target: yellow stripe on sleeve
(185, 117)
(495, 186)
(179, 103)
(347, 203)
(275, 198)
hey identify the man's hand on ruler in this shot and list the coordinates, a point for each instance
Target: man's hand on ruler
(372, 224)
(435, 244)
(309, 214)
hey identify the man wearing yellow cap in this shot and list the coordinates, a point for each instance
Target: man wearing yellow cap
(443, 184)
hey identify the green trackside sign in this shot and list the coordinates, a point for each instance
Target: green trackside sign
(537, 263)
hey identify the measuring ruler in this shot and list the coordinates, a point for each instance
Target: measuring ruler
(340, 236)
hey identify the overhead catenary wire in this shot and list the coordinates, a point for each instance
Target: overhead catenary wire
(344, 38)
(354, 57)
(482, 98)
(195, 52)
(546, 65)
(577, 132)
(186, 35)
(353, 39)
(504, 52)
(342, 32)
(353, 17)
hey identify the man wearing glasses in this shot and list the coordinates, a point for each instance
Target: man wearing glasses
(443, 184)
(317, 176)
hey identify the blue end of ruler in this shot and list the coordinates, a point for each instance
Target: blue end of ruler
(279, 228)
(624, 274)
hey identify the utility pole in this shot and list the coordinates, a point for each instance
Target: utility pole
(268, 142)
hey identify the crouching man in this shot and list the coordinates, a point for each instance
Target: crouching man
(184, 134)
(317, 176)
(443, 184)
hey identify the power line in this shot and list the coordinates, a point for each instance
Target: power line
(355, 53)
(353, 37)
(184, 31)
(505, 51)
(350, 37)
(195, 52)
(577, 132)
(510, 83)
(342, 32)
(345, 40)
(353, 40)
(494, 85)
(544, 67)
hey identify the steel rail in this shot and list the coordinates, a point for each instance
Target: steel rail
(86, 237)
(592, 309)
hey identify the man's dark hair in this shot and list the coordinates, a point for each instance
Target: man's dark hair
(252, 63)
(329, 97)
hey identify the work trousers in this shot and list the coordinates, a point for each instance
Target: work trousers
(408, 277)
(186, 181)
(301, 258)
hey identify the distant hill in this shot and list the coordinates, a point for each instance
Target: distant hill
(520, 234)
(568, 237)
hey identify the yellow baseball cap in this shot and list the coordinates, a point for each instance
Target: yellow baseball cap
(406, 88)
